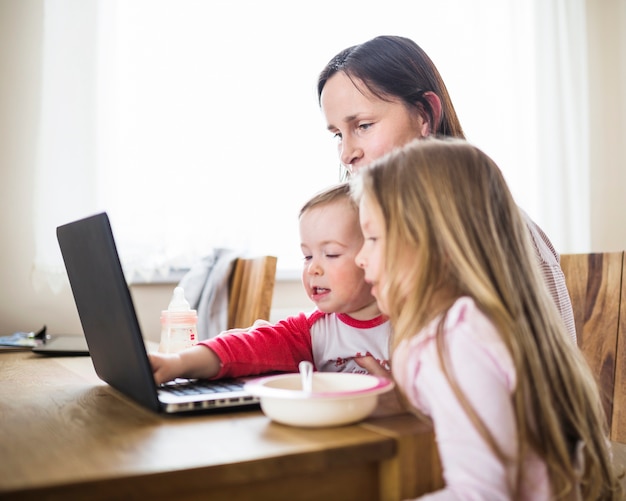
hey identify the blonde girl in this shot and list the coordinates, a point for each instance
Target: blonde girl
(478, 346)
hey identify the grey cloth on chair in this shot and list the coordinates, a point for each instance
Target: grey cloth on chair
(206, 290)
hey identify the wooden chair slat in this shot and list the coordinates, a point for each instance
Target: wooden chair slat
(594, 282)
(251, 290)
(618, 423)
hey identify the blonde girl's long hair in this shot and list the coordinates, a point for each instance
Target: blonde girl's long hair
(448, 212)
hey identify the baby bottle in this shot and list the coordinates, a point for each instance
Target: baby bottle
(178, 324)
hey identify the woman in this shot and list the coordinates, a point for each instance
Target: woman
(383, 93)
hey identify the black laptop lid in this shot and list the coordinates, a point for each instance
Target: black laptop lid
(106, 309)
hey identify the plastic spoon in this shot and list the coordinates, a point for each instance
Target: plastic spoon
(306, 373)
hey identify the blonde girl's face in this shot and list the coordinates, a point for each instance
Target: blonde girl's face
(371, 257)
(330, 239)
(365, 126)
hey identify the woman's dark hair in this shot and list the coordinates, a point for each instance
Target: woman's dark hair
(396, 67)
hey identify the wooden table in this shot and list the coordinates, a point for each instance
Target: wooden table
(64, 434)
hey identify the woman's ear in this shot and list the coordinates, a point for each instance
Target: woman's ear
(435, 106)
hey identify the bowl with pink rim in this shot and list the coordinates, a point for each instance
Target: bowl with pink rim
(335, 399)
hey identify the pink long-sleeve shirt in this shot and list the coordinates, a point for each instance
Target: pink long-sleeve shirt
(484, 369)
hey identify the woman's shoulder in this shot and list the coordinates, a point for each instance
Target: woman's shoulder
(540, 242)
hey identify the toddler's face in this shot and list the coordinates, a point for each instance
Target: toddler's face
(366, 127)
(330, 240)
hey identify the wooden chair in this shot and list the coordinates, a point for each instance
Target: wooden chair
(595, 285)
(251, 290)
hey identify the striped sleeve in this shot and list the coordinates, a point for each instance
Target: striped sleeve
(549, 262)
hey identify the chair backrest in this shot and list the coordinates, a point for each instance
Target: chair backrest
(251, 290)
(594, 282)
(618, 424)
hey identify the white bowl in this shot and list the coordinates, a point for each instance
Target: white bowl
(337, 398)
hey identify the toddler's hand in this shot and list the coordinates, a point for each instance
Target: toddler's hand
(371, 365)
(165, 367)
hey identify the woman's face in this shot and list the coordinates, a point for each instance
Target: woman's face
(366, 127)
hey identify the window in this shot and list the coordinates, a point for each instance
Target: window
(195, 124)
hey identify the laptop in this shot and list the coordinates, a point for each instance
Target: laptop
(111, 328)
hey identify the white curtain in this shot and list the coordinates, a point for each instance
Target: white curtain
(67, 171)
(195, 124)
(562, 118)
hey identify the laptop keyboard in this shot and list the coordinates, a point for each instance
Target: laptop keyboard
(182, 387)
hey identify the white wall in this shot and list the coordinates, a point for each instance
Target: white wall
(607, 89)
(23, 308)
